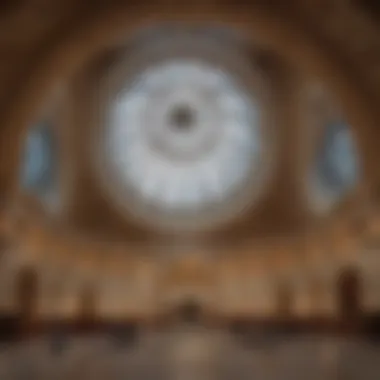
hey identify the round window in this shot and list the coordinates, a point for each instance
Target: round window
(183, 135)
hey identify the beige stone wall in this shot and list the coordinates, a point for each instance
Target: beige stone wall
(136, 282)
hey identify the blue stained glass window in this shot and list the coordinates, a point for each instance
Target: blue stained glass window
(38, 161)
(337, 167)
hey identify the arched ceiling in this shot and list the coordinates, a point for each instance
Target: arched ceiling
(353, 39)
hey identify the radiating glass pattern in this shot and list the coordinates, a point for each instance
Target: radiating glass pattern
(184, 135)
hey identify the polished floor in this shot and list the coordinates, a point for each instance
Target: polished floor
(191, 353)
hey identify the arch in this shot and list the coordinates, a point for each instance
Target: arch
(349, 294)
(86, 315)
(284, 300)
(26, 298)
(300, 46)
(188, 311)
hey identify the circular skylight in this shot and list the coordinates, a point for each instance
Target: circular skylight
(182, 139)
(183, 135)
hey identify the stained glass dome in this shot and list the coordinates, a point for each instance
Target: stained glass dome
(183, 136)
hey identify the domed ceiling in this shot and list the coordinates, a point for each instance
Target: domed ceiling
(182, 143)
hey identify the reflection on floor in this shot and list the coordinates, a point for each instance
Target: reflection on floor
(191, 352)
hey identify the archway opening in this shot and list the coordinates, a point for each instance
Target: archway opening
(188, 312)
(349, 295)
(26, 298)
